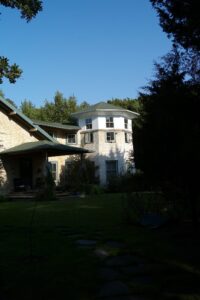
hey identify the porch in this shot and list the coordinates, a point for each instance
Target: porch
(26, 165)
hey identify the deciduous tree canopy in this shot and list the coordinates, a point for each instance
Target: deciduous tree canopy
(180, 20)
(28, 9)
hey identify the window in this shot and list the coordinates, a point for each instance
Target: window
(89, 138)
(88, 123)
(71, 138)
(111, 169)
(126, 123)
(68, 169)
(128, 138)
(109, 122)
(110, 137)
(53, 167)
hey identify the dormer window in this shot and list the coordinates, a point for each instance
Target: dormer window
(109, 122)
(126, 123)
(88, 123)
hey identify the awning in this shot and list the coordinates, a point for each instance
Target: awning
(47, 147)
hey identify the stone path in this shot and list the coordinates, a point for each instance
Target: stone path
(116, 272)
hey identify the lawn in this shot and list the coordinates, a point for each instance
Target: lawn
(40, 258)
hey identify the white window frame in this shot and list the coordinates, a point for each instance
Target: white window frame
(89, 138)
(109, 139)
(109, 122)
(68, 138)
(88, 123)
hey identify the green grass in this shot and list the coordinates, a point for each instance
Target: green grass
(42, 261)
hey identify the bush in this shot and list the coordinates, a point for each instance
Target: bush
(131, 183)
(47, 192)
(81, 177)
(136, 205)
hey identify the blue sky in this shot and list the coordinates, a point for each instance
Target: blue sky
(93, 49)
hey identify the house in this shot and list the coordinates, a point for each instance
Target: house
(103, 133)
(106, 129)
(25, 149)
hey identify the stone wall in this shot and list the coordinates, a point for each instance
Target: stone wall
(11, 135)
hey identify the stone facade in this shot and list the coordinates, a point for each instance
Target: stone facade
(13, 134)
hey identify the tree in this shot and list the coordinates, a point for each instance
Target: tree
(180, 20)
(30, 110)
(127, 103)
(167, 145)
(60, 109)
(28, 9)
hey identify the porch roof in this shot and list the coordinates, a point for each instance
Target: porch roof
(47, 147)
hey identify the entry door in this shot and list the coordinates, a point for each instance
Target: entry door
(26, 171)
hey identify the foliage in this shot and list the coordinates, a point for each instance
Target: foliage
(180, 20)
(47, 191)
(28, 9)
(137, 204)
(167, 145)
(1, 173)
(30, 110)
(127, 103)
(11, 72)
(129, 182)
(81, 176)
(59, 110)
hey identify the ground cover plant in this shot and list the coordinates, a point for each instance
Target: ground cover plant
(40, 257)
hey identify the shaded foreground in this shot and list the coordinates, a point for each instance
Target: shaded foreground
(84, 249)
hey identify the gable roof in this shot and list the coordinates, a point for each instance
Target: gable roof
(16, 115)
(105, 108)
(56, 125)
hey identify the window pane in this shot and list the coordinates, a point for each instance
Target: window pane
(109, 122)
(126, 123)
(71, 138)
(110, 137)
(88, 137)
(88, 123)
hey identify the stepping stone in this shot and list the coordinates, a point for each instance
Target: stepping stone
(122, 260)
(124, 298)
(101, 253)
(115, 244)
(86, 243)
(130, 270)
(114, 288)
(142, 280)
(74, 236)
(108, 274)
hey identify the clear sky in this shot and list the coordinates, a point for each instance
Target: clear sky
(93, 49)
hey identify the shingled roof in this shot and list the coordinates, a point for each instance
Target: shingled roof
(103, 107)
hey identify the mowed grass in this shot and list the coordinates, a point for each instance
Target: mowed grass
(39, 257)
